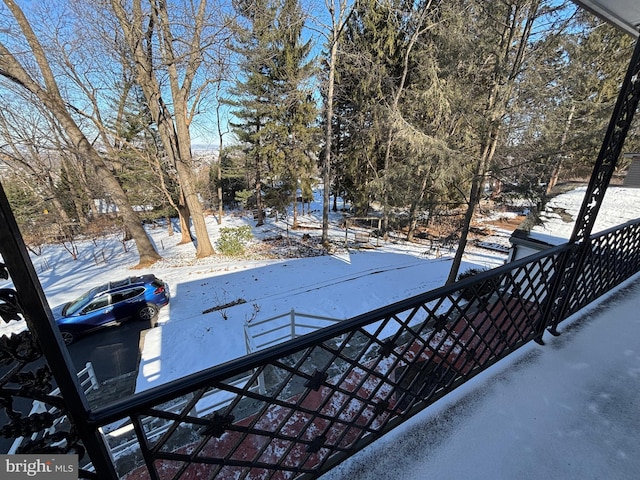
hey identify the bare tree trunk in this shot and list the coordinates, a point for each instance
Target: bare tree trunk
(170, 231)
(185, 224)
(258, 190)
(220, 139)
(185, 227)
(220, 205)
(294, 225)
(50, 96)
(180, 95)
(504, 77)
(413, 217)
(555, 172)
(326, 162)
(340, 14)
(474, 198)
(172, 128)
(496, 188)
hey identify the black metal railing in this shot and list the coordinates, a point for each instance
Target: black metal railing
(327, 394)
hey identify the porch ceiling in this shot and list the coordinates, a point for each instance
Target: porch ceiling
(623, 13)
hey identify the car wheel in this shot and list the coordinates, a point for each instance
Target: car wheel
(147, 312)
(68, 337)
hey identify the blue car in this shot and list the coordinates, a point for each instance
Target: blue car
(109, 304)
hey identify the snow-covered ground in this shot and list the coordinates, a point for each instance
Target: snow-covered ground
(620, 205)
(337, 286)
(349, 282)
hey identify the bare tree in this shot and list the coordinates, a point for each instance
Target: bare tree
(25, 152)
(157, 52)
(42, 83)
(339, 13)
(221, 134)
(513, 31)
(99, 69)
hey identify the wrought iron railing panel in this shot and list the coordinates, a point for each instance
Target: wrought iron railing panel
(611, 258)
(310, 403)
(299, 408)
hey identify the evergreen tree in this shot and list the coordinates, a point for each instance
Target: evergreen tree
(274, 104)
(597, 58)
(297, 112)
(573, 73)
(233, 175)
(367, 63)
(256, 99)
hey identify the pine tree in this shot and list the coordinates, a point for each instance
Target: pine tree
(597, 57)
(297, 109)
(367, 62)
(254, 91)
(274, 105)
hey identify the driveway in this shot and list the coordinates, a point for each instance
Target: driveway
(113, 352)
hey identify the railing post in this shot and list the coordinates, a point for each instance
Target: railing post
(346, 232)
(92, 375)
(293, 323)
(262, 385)
(35, 310)
(621, 118)
(247, 341)
(250, 346)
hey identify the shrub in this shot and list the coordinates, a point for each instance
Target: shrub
(478, 289)
(233, 239)
(470, 272)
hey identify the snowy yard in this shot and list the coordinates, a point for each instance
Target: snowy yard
(349, 282)
(213, 298)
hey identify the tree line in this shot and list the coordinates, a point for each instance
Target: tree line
(414, 106)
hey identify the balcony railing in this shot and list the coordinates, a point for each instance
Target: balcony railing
(296, 409)
(275, 330)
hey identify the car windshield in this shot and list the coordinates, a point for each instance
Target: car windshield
(78, 303)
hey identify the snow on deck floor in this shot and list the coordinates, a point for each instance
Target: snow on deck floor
(569, 409)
